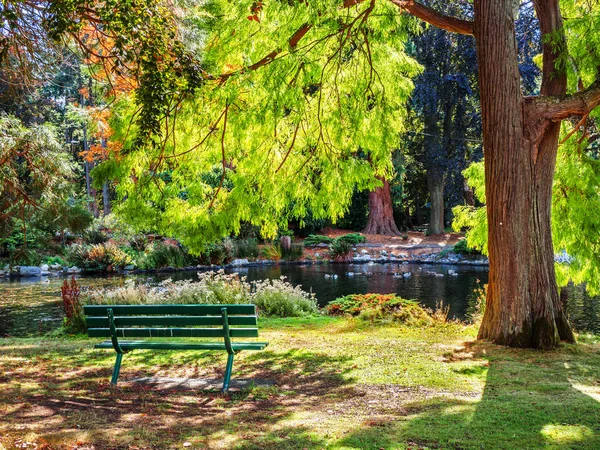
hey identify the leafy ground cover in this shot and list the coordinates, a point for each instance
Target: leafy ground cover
(342, 383)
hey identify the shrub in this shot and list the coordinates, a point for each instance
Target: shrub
(212, 288)
(381, 307)
(166, 255)
(74, 321)
(272, 298)
(353, 238)
(461, 247)
(246, 248)
(294, 253)
(138, 242)
(316, 239)
(98, 257)
(272, 252)
(340, 250)
(281, 299)
(94, 236)
(51, 260)
(218, 253)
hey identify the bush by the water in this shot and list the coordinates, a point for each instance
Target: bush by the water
(246, 248)
(462, 248)
(294, 253)
(340, 250)
(272, 297)
(281, 299)
(316, 239)
(353, 238)
(383, 307)
(103, 257)
(218, 253)
(161, 254)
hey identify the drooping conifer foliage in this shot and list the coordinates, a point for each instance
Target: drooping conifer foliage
(294, 92)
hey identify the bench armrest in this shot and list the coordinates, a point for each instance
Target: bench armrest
(113, 331)
(226, 333)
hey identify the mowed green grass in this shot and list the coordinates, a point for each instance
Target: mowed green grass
(340, 384)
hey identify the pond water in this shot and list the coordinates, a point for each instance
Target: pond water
(31, 307)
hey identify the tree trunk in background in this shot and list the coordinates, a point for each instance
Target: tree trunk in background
(381, 213)
(435, 183)
(418, 216)
(522, 307)
(105, 199)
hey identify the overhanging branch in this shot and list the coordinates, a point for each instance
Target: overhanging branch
(435, 18)
(560, 108)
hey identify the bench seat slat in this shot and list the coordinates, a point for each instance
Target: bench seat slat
(194, 310)
(173, 332)
(148, 345)
(124, 321)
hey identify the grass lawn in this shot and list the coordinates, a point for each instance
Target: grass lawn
(341, 384)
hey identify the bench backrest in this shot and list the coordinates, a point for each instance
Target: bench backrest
(171, 320)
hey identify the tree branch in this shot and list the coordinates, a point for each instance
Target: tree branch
(559, 108)
(433, 17)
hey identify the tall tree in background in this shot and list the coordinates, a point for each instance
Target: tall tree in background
(445, 100)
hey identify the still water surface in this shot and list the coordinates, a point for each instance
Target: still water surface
(30, 306)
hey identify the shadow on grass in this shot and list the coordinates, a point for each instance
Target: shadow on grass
(530, 400)
(63, 395)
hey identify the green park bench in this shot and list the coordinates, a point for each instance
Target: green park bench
(169, 322)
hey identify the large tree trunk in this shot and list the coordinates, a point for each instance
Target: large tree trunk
(381, 213)
(435, 183)
(523, 307)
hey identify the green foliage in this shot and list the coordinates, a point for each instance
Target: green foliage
(381, 307)
(94, 236)
(161, 254)
(271, 252)
(294, 253)
(165, 72)
(462, 248)
(218, 253)
(292, 129)
(36, 189)
(316, 239)
(473, 219)
(358, 212)
(353, 238)
(51, 260)
(340, 249)
(246, 248)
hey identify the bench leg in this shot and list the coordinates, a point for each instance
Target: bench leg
(116, 369)
(227, 372)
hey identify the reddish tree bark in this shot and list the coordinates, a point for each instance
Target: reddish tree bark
(520, 145)
(381, 213)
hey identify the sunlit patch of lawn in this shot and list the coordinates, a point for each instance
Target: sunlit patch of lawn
(340, 384)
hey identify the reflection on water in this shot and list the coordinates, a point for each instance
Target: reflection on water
(30, 306)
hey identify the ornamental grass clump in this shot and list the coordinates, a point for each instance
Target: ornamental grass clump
(282, 299)
(382, 308)
(272, 297)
